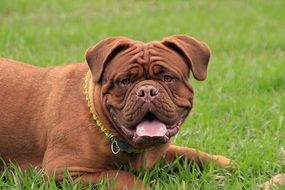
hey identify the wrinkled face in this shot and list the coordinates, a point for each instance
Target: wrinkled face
(146, 93)
(144, 87)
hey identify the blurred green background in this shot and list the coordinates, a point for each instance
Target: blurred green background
(239, 111)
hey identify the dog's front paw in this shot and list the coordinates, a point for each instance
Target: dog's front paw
(222, 161)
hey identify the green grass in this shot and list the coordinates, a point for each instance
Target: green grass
(239, 111)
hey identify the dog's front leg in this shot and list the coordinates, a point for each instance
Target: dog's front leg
(198, 157)
(114, 179)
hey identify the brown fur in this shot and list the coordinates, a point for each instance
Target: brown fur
(45, 121)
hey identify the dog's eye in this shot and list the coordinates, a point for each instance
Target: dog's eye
(125, 82)
(168, 78)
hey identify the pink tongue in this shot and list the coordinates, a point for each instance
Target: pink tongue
(151, 129)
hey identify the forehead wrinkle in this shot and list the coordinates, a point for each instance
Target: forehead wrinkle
(161, 54)
(144, 59)
(129, 69)
(124, 68)
(126, 57)
(159, 47)
(132, 50)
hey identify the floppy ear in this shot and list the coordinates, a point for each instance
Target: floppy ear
(197, 54)
(103, 52)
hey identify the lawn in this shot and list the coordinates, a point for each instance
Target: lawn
(239, 110)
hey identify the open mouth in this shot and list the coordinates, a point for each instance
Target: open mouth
(151, 131)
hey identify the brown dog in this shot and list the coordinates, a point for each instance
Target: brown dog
(138, 96)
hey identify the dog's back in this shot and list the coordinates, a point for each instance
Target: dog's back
(18, 96)
(27, 94)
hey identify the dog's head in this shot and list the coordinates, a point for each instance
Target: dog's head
(144, 86)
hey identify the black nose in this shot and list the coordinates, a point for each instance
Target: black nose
(147, 92)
